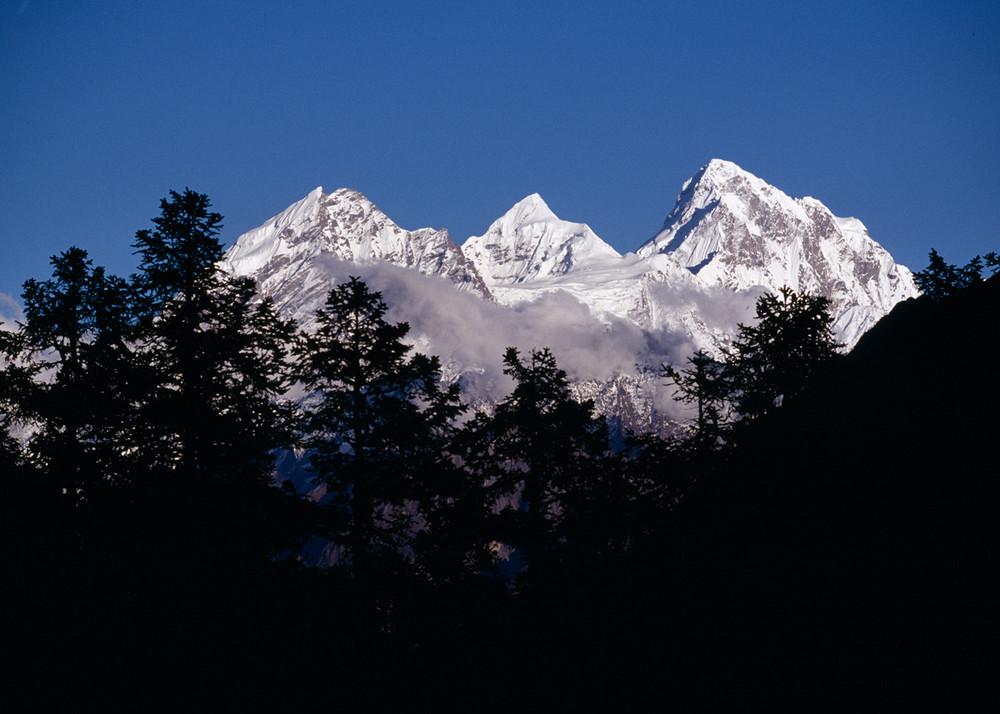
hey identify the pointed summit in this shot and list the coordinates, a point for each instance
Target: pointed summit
(732, 229)
(719, 183)
(530, 242)
(530, 209)
(721, 170)
(288, 255)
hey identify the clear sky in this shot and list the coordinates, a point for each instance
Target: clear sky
(445, 114)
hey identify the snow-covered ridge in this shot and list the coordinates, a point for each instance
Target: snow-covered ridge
(533, 279)
(729, 231)
(286, 255)
(256, 248)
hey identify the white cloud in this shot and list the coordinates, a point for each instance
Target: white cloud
(465, 330)
(10, 312)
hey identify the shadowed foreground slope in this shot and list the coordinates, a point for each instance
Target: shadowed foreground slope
(841, 559)
(848, 554)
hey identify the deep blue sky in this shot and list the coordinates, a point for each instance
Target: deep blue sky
(445, 114)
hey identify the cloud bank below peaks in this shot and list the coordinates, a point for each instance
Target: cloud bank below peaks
(470, 335)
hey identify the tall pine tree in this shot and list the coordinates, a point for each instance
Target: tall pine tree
(378, 427)
(215, 355)
(216, 369)
(772, 360)
(77, 334)
(542, 448)
(704, 385)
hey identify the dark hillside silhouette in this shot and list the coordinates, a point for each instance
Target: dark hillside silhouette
(849, 547)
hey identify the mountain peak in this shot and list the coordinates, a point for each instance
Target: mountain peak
(723, 186)
(348, 195)
(530, 209)
(734, 230)
(721, 167)
(529, 242)
(289, 255)
(722, 175)
(715, 172)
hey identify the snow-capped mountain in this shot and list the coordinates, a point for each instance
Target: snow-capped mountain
(732, 229)
(289, 255)
(530, 251)
(530, 243)
(535, 280)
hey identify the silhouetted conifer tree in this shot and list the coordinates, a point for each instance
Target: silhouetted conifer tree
(543, 448)
(216, 355)
(76, 330)
(705, 385)
(67, 381)
(940, 279)
(771, 360)
(215, 366)
(378, 429)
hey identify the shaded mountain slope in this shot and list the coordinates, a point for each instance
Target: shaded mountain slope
(849, 548)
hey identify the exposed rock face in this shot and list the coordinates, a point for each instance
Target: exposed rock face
(733, 230)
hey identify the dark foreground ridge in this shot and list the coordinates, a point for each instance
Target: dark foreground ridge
(845, 559)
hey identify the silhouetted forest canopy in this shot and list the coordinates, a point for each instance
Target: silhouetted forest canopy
(821, 533)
